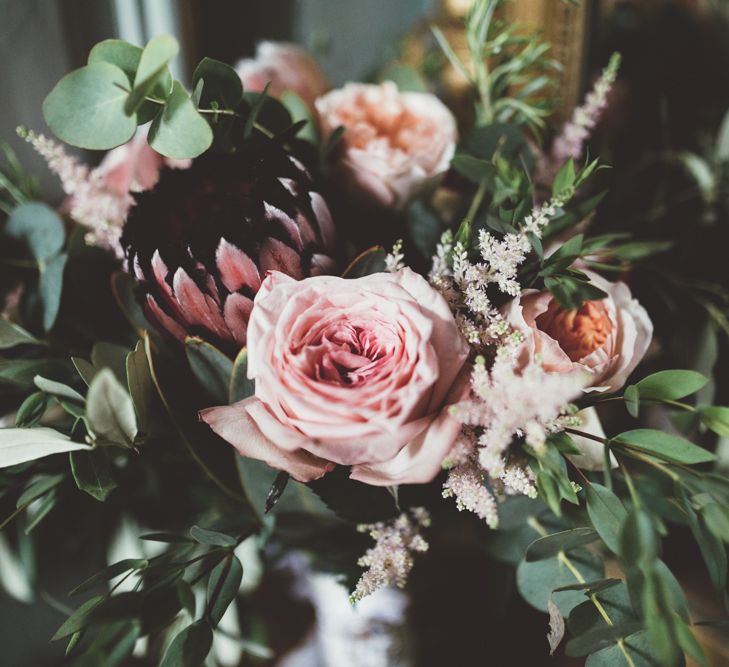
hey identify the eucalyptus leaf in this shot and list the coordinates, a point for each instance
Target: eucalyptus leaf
(716, 518)
(93, 474)
(38, 488)
(110, 572)
(110, 410)
(12, 335)
(58, 389)
(50, 286)
(600, 638)
(223, 586)
(80, 618)
(86, 108)
(117, 52)
(85, 369)
(639, 648)
(152, 67)
(190, 647)
(299, 110)
(211, 537)
(240, 386)
(221, 84)
(141, 386)
(607, 514)
(211, 367)
(551, 545)
(670, 385)
(716, 418)
(18, 445)
(39, 226)
(639, 543)
(31, 410)
(664, 446)
(111, 356)
(180, 132)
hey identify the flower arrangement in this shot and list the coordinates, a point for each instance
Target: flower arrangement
(246, 352)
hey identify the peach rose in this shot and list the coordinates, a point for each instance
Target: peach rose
(606, 338)
(351, 372)
(396, 145)
(285, 67)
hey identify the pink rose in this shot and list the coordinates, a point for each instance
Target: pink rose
(351, 372)
(606, 338)
(135, 166)
(286, 67)
(396, 145)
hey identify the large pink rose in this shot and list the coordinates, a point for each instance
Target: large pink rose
(606, 338)
(351, 372)
(396, 145)
(285, 67)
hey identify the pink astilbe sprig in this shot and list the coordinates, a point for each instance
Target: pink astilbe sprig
(570, 142)
(91, 202)
(466, 484)
(391, 559)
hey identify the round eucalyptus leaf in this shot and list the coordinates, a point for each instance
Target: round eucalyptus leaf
(40, 227)
(117, 52)
(86, 108)
(180, 132)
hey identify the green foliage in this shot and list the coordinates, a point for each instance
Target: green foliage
(223, 586)
(93, 473)
(190, 647)
(211, 367)
(110, 411)
(664, 446)
(551, 545)
(370, 261)
(607, 514)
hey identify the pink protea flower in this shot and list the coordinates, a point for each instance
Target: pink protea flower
(284, 67)
(203, 239)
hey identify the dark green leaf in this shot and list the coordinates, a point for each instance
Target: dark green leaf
(370, 261)
(638, 646)
(590, 587)
(141, 386)
(473, 169)
(664, 446)
(93, 474)
(607, 514)
(40, 227)
(211, 537)
(31, 410)
(110, 572)
(46, 504)
(113, 356)
(190, 647)
(79, 619)
(38, 488)
(86, 108)
(221, 84)
(670, 385)
(86, 370)
(565, 180)
(571, 292)
(551, 545)
(180, 132)
(223, 586)
(300, 111)
(211, 367)
(12, 335)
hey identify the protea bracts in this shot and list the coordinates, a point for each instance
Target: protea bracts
(202, 240)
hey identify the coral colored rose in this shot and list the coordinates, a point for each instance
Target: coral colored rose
(396, 145)
(285, 67)
(606, 338)
(352, 372)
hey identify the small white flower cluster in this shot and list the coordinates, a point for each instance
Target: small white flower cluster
(508, 399)
(571, 140)
(394, 259)
(91, 203)
(467, 485)
(391, 559)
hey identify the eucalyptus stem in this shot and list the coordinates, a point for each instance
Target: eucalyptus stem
(565, 560)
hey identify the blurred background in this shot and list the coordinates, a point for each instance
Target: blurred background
(662, 134)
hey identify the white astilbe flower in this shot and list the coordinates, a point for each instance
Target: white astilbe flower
(467, 485)
(393, 260)
(391, 559)
(518, 480)
(92, 204)
(570, 142)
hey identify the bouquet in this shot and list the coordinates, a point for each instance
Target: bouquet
(281, 318)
